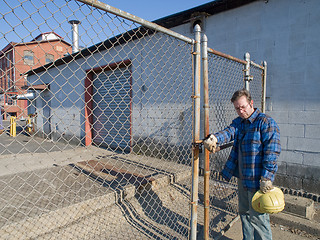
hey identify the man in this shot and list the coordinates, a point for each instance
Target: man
(253, 159)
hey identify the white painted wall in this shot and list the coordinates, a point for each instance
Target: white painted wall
(161, 90)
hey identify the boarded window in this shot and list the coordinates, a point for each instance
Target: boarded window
(49, 58)
(28, 57)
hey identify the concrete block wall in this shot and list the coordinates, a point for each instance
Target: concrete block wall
(285, 33)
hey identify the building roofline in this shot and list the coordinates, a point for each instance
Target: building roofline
(43, 41)
(170, 21)
(7, 47)
(109, 43)
(211, 8)
(14, 44)
(47, 33)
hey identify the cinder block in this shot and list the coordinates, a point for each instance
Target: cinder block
(279, 116)
(297, 170)
(291, 157)
(303, 144)
(284, 142)
(313, 131)
(300, 206)
(282, 168)
(311, 185)
(279, 101)
(304, 117)
(311, 159)
(288, 181)
(312, 104)
(304, 172)
(292, 130)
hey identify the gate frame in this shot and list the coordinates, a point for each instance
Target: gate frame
(247, 78)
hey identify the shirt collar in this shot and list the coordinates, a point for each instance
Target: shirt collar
(254, 115)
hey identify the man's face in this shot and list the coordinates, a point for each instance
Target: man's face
(243, 107)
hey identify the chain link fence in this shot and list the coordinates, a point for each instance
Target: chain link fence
(98, 125)
(226, 75)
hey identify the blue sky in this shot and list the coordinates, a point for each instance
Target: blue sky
(154, 9)
(23, 20)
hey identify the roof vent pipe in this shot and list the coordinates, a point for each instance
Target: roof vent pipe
(75, 35)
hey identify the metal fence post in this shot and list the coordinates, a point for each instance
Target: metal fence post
(206, 133)
(196, 135)
(247, 77)
(264, 86)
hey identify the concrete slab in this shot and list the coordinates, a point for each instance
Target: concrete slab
(296, 222)
(279, 232)
(285, 225)
(59, 198)
(41, 194)
(299, 206)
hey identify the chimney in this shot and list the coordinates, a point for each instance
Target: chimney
(75, 35)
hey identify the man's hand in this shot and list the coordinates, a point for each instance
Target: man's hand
(265, 185)
(210, 143)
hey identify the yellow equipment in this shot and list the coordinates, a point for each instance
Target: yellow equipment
(270, 202)
(29, 127)
(13, 127)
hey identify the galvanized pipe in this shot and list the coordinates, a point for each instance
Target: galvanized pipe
(247, 72)
(220, 54)
(264, 86)
(256, 65)
(227, 56)
(196, 135)
(75, 35)
(206, 133)
(133, 18)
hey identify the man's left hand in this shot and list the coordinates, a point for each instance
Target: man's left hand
(265, 185)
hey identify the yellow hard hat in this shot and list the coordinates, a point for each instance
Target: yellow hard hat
(270, 202)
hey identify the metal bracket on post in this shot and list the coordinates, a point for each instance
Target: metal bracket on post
(248, 78)
(198, 144)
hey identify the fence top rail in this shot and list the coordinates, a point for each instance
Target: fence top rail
(227, 56)
(210, 50)
(256, 65)
(131, 17)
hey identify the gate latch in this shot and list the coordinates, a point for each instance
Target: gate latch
(198, 144)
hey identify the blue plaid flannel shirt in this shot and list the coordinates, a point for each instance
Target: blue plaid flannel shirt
(259, 139)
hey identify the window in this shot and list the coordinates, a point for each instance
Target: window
(28, 57)
(8, 59)
(8, 81)
(49, 58)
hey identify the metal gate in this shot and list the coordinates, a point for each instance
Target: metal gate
(107, 147)
(222, 76)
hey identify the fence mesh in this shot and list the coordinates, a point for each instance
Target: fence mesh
(256, 85)
(101, 130)
(97, 126)
(225, 77)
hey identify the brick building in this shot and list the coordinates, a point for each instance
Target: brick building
(19, 58)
